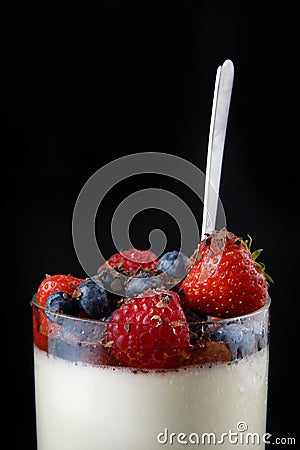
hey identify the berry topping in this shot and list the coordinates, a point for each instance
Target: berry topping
(225, 279)
(54, 283)
(175, 264)
(133, 259)
(150, 331)
(141, 283)
(93, 299)
(158, 314)
(62, 302)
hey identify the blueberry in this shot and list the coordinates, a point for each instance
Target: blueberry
(62, 302)
(111, 280)
(240, 340)
(93, 299)
(82, 331)
(141, 283)
(175, 264)
(62, 349)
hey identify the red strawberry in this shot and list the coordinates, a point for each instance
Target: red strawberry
(134, 259)
(225, 280)
(42, 326)
(150, 331)
(53, 283)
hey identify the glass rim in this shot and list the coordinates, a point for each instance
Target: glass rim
(212, 321)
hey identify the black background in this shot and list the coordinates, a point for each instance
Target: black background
(85, 83)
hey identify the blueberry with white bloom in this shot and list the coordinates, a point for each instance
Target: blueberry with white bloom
(141, 283)
(62, 302)
(175, 264)
(240, 340)
(93, 299)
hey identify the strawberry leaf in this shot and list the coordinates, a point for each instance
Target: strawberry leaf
(248, 243)
(261, 267)
(256, 253)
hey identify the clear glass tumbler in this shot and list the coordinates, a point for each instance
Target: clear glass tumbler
(86, 400)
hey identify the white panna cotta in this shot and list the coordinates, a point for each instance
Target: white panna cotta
(85, 407)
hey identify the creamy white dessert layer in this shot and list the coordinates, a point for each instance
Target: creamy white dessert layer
(83, 407)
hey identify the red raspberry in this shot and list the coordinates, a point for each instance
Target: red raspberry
(150, 331)
(54, 283)
(134, 259)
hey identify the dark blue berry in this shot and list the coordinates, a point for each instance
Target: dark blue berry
(93, 299)
(175, 264)
(62, 302)
(111, 280)
(62, 349)
(240, 340)
(82, 331)
(141, 283)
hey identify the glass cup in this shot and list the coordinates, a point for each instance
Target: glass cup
(212, 394)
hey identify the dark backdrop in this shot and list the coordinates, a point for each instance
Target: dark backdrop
(85, 83)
